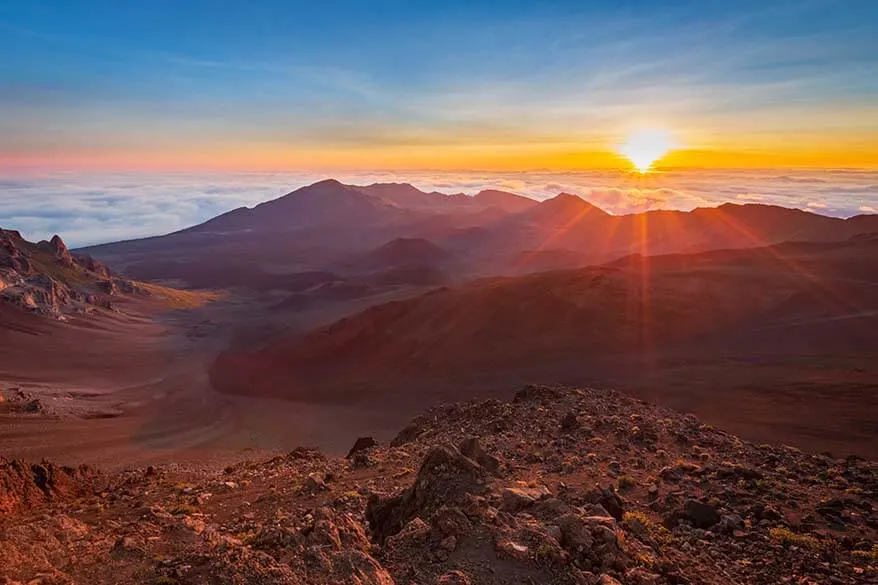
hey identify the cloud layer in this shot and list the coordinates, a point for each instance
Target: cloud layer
(90, 209)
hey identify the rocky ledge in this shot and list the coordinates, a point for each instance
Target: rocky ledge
(561, 486)
(46, 278)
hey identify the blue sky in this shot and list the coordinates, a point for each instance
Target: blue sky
(392, 83)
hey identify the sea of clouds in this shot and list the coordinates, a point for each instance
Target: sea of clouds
(94, 208)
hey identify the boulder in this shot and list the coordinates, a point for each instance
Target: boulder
(518, 498)
(473, 449)
(362, 444)
(699, 514)
(446, 478)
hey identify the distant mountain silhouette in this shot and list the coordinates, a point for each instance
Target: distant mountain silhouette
(504, 200)
(407, 252)
(409, 197)
(325, 202)
(493, 232)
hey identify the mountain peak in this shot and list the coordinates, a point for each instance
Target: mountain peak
(326, 183)
(570, 201)
(505, 200)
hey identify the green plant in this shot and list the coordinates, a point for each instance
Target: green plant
(787, 537)
(642, 522)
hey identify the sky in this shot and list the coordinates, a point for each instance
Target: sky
(127, 119)
(498, 85)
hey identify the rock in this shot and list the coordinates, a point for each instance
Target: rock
(640, 576)
(570, 422)
(608, 580)
(24, 486)
(412, 431)
(513, 549)
(473, 449)
(515, 499)
(362, 444)
(314, 484)
(35, 406)
(414, 531)
(453, 578)
(607, 534)
(446, 477)
(612, 503)
(127, 547)
(451, 522)
(449, 543)
(701, 515)
(575, 534)
(730, 523)
(361, 460)
(57, 247)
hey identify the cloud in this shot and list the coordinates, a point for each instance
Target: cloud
(94, 208)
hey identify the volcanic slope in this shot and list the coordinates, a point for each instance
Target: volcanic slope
(562, 486)
(794, 321)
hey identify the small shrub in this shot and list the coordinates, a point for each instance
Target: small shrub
(640, 521)
(787, 537)
(868, 555)
(181, 509)
(626, 482)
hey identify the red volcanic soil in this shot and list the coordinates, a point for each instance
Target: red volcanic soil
(130, 388)
(94, 350)
(777, 343)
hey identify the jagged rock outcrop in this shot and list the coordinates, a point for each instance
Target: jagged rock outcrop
(45, 278)
(25, 486)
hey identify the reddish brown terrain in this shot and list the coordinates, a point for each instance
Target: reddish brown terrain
(337, 312)
(562, 486)
(777, 343)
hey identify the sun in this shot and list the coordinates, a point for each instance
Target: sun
(644, 147)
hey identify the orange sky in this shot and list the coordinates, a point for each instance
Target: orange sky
(513, 158)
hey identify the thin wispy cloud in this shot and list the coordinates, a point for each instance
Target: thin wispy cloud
(355, 83)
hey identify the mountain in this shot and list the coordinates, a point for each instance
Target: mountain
(409, 197)
(618, 322)
(568, 223)
(323, 203)
(509, 202)
(407, 252)
(319, 226)
(332, 203)
(308, 229)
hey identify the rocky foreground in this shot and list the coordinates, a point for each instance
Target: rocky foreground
(559, 486)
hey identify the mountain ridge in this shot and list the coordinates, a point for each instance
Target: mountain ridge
(319, 224)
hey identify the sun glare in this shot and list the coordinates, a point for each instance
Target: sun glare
(644, 147)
